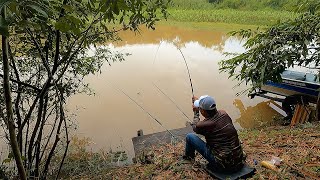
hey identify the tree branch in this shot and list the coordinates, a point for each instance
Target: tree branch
(8, 102)
(34, 133)
(58, 37)
(46, 166)
(67, 141)
(38, 142)
(50, 135)
(17, 101)
(41, 94)
(45, 63)
(22, 83)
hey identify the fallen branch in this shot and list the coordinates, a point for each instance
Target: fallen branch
(315, 135)
(312, 165)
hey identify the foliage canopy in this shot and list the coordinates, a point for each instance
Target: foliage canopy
(270, 52)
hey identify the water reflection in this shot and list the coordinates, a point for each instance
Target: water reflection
(168, 33)
(253, 116)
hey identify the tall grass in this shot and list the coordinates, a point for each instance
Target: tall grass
(286, 5)
(191, 4)
(230, 16)
(249, 12)
(81, 161)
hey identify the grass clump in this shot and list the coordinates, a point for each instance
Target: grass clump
(230, 16)
(82, 162)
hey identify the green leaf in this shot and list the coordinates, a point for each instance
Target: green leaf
(23, 158)
(6, 160)
(116, 9)
(62, 26)
(74, 20)
(39, 10)
(4, 27)
(4, 31)
(68, 8)
(4, 3)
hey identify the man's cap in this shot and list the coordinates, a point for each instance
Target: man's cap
(205, 102)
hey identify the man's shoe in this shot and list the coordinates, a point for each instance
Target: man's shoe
(210, 167)
(186, 159)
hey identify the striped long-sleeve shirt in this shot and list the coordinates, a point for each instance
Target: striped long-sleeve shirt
(222, 138)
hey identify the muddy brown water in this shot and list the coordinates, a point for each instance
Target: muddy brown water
(111, 119)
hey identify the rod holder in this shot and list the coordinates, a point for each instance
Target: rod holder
(140, 132)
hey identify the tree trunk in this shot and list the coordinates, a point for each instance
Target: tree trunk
(318, 107)
(9, 108)
(318, 103)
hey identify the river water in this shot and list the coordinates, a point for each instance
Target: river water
(111, 119)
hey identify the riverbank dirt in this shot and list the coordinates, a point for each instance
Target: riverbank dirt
(298, 148)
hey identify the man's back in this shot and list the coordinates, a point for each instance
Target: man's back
(222, 138)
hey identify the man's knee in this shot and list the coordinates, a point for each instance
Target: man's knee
(190, 136)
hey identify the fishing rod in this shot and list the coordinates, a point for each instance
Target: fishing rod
(176, 45)
(147, 112)
(187, 68)
(189, 120)
(172, 102)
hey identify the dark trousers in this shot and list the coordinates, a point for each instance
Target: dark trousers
(194, 143)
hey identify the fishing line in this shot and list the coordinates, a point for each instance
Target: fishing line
(187, 68)
(189, 120)
(155, 56)
(147, 112)
(188, 74)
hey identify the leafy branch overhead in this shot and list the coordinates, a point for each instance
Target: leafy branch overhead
(76, 15)
(270, 52)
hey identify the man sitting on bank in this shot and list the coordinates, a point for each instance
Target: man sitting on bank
(222, 149)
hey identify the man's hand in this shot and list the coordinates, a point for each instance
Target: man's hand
(195, 109)
(194, 98)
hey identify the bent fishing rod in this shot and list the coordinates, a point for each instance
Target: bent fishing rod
(185, 61)
(187, 69)
(189, 120)
(147, 112)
